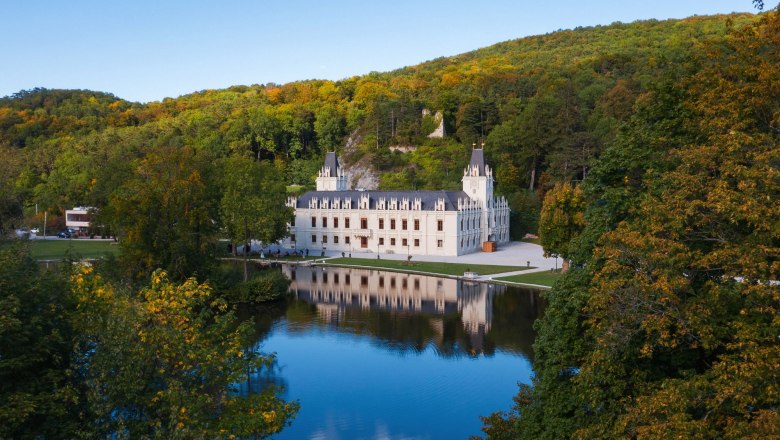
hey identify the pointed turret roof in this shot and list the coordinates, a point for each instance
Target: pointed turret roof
(478, 160)
(332, 162)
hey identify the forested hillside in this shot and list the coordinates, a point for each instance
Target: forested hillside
(654, 146)
(545, 107)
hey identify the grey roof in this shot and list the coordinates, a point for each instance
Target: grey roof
(333, 162)
(428, 198)
(478, 159)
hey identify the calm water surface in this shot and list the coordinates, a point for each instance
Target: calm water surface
(381, 355)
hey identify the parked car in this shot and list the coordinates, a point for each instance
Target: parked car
(64, 234)
(22, 233)
(35, 231)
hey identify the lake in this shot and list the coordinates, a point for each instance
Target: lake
(382, 355)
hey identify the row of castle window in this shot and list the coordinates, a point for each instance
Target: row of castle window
(364, 223)
(404, 241)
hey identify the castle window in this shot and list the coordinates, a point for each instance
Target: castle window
(363, 223)
(392, 242)
(404, 224)
(404, 242)
(335, 222)
(335, 239)
(346, 239)
(416, 224)
(292, 222)
(346, 222)
(292, 237)
(324, 222)
(314, 222)
(439, 225)
(381, 241)
(416, 242)
(392, 223)
(439, 243)
(381, 223)
(313, 238)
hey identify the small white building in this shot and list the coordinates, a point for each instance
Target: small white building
(401, 222)
(78, 218)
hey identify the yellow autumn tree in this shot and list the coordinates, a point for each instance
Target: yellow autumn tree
(562, 219)
(166, 362)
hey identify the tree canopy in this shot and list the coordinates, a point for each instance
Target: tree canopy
(667, 325)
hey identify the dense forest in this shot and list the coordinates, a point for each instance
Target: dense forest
(545, 108)
(647, 150)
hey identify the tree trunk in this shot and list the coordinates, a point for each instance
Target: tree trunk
(533, 174)
(246, 250)
(565, 265)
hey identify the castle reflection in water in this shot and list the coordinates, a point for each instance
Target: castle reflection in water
(336, 291)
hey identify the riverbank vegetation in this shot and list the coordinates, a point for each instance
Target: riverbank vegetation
(85, 358)
(666, 325)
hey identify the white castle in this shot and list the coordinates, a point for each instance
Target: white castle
(401, 222)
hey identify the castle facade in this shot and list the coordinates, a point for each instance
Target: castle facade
(402, 222)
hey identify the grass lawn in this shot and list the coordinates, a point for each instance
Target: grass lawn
(546, 278)
(424, 266)
(57, 249)
(271, 257)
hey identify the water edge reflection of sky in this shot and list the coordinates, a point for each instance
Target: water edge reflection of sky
(407, 357)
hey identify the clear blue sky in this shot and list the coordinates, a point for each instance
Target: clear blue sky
(148, 50)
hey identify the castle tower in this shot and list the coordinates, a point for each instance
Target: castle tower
(478, 179)
(331, 176)
(478, 184)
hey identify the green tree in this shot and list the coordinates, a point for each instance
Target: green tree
(38, 396)
(561, 220)
(11, 198)
(253, 203)
(166, 214)
(166, 363)
(329, 126)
